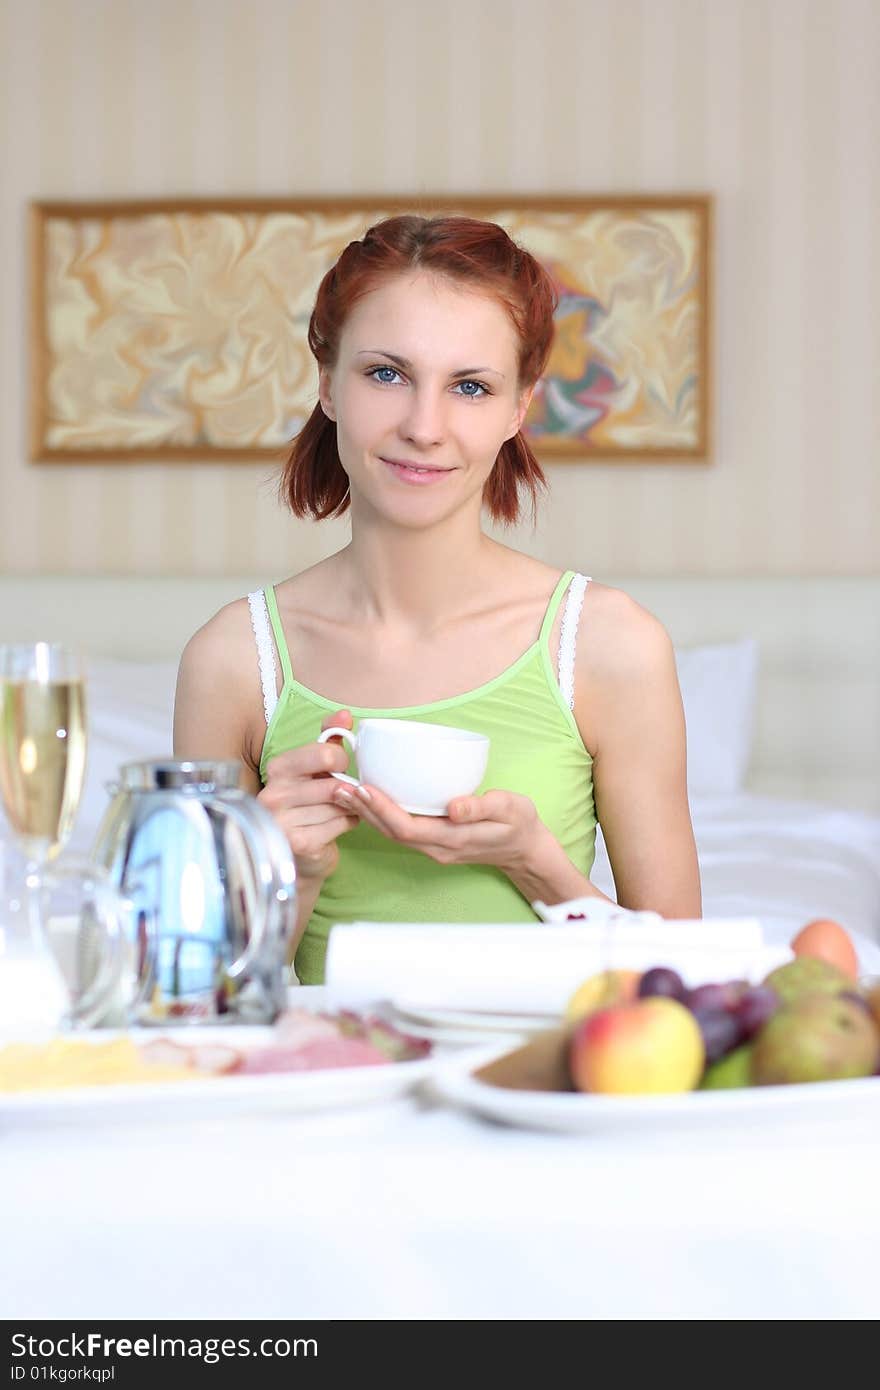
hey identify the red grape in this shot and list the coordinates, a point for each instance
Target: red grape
(758, 1004)
(725, 995)
(720, 1031)
(663, 982)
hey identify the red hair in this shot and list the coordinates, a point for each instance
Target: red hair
(479, 255)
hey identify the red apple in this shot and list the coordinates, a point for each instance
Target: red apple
(646, 1046)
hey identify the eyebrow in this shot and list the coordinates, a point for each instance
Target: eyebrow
(406, 364)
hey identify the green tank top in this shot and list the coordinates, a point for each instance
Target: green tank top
(535, 749)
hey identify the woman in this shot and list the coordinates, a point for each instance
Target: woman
(430, 336)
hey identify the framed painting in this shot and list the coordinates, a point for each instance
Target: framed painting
(177, 330)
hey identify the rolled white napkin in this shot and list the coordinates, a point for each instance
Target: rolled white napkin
(525, 968)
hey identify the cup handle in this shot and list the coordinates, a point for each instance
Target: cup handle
(348, 737)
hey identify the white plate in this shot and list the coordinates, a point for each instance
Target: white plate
(289, 1092)
(576, 1113)
(471, 1021)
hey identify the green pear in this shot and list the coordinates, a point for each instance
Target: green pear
(731, 1072)
(807, 975)
(818, 1037)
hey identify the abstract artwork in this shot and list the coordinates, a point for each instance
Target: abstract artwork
(177, 330)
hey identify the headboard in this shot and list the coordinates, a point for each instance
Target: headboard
(818, 718)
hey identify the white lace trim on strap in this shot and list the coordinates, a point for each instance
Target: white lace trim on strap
(568, 635)
(265, 650)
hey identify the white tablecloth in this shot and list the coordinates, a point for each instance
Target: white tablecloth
(411, 1210)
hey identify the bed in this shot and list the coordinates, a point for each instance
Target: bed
(780, 679)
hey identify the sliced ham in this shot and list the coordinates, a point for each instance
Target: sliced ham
(303, 1041)
(315, 1055)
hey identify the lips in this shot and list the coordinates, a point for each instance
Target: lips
(416, 467)
(419, 474)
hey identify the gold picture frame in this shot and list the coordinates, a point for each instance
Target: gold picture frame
(175, 330)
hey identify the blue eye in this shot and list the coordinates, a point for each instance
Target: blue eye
(472, 395)
(375, 372)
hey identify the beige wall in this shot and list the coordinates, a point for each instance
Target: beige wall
(772, 105)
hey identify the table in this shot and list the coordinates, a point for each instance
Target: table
(409, 1209)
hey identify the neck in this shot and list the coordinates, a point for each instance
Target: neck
(412, 580)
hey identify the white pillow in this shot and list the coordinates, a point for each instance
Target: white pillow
(719, 690)
(130, 707)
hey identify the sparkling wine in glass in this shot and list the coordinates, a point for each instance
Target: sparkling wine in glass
(42, 768)
(42, 745)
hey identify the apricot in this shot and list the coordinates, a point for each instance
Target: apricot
(829, 941)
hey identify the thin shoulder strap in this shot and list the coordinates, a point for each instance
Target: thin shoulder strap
(553, 607)
(278, 633)
(568, 636)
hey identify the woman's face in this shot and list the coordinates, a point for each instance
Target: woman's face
(424, 393)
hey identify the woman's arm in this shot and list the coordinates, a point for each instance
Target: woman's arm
(628, 708)
(218, 693)
(218, 713)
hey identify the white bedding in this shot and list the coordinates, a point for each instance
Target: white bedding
(785, 862)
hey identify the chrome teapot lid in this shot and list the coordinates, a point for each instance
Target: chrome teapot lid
(156, 774)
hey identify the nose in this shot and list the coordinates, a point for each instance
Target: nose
(424, 423)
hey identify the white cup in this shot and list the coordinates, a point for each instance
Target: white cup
(420, 766)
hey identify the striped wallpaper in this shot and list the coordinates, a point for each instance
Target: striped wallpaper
(771, 105)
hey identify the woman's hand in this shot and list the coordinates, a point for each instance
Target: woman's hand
(499, 828)
(300, 793)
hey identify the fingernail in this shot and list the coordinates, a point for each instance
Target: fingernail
(344, 798)
(363, 793)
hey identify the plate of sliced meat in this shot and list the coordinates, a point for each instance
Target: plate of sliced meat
(308, 1060)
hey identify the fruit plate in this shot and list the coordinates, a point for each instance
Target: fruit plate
(574, 1112)
(290, 1092)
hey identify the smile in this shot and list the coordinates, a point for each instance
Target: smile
(415, 472)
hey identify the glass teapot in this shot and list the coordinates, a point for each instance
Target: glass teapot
(211, 881)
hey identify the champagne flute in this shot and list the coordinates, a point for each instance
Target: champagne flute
(42, 745)
(42, 768)
(42, 771)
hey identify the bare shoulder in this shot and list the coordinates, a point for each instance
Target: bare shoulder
(218, 677)
(624, 667)
(220, 646)
(618, 638)
(218, 706)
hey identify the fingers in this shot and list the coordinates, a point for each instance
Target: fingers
(492, 805)
(309, 838)
(318, 814)
(473, 832)
(310, 760)
(339, 718)
(315, 849)
(385, 815)
(433, 836)
(280, 793)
